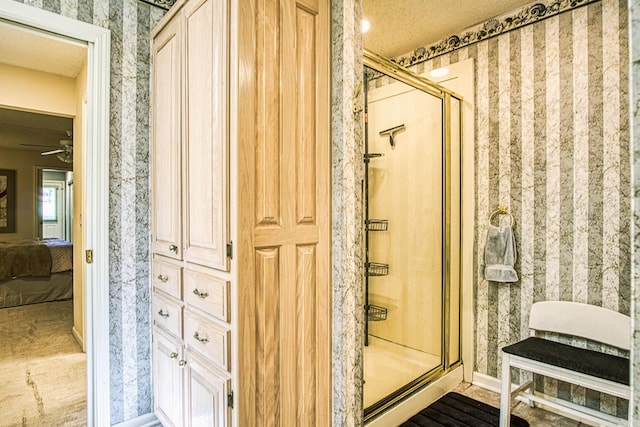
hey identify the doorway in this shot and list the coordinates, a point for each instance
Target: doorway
(55, 204)
(94, 207)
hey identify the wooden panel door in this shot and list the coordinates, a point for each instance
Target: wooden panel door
(166, 143)
(284, 214)
(206, 133)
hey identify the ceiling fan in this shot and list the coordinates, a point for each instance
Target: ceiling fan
(65, 152)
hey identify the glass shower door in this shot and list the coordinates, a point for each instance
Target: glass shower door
(408, 240)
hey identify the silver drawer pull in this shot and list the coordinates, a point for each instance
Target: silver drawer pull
(163, 314)
(163, 278)
(197, 336)
(182, 363)
(202, 295)
(173, 248)
(173, 355)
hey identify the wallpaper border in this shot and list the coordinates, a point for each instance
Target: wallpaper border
(493, 27)
(162, 4)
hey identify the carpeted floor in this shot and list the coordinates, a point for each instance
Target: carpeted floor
(42, 367)
(456, 410)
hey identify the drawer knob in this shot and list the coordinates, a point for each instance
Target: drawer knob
(173, 248)
(163, 314)
(202, 295)
(173, 355)
(182, 363)
(203, 340)
(163, 278)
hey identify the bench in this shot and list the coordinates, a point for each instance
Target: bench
(595, 370)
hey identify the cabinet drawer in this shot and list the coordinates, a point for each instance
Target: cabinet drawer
(167, 314)
(166, 277)
(207, 338)
(207, 293)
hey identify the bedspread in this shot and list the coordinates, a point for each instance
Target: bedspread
(61, 254)
(34, 257)
(24, 258)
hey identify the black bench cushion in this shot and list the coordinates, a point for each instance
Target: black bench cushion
(594, 363)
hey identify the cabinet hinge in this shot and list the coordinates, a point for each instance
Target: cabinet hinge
(230, 249)
(230, 399)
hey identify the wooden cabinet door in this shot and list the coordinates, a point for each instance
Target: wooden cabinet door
(207, 392)
(166, 143)
(284, 282)
(206, 133)
(167, 379)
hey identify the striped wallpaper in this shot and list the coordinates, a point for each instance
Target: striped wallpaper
(634, 42)
(552, 144)
(130, 23)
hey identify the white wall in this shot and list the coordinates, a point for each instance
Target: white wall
(36, 91)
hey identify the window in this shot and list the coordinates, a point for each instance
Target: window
(49, 204)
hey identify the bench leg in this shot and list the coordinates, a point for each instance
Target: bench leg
(505, 392)
(530, 392)
(526, 389)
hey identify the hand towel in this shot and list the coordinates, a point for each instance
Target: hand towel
(500, 255)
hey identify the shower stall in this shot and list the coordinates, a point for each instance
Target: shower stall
(412, 232)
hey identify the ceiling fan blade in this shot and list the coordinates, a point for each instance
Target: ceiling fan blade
(46, 153)
(36, 145)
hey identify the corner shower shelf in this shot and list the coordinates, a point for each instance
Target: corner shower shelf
(377, 224)
(376, 313)
(377, 269)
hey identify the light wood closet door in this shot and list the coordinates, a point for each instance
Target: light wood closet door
(168, 377)
(284, 200)
(166, 143)
(205, 148)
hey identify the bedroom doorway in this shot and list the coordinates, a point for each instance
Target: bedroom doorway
(54, 216)
(93, 211)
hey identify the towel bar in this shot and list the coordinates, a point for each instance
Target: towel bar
(502, 210)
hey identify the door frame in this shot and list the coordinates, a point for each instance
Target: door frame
(95, 211)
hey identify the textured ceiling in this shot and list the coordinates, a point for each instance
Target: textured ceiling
(37, 51)
(41, 52)
(400, 27)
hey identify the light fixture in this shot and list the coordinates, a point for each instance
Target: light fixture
(439, 72)
(365, 26)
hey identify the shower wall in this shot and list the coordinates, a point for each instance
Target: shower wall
(552, 143)
(405, 188)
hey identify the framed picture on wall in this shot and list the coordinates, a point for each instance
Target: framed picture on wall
(7, 201)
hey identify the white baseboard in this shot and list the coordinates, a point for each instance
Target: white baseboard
(486, 382)
(147, 420)
(78, 338)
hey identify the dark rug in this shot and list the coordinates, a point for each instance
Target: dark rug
(456, 410)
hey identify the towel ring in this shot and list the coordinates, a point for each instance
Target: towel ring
(502, 210)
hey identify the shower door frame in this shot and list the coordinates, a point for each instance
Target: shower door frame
(401, 74)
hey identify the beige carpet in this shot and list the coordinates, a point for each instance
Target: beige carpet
(42, 367)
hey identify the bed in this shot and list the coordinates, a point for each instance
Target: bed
(35, 270)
